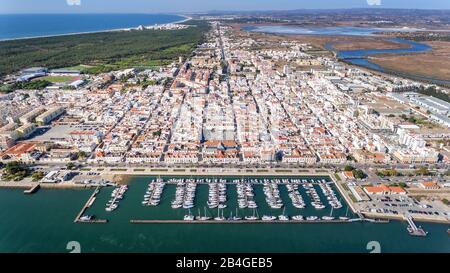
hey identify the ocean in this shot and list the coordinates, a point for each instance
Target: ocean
(14, 26)
(43, 222)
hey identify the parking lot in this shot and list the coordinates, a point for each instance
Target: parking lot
(400, 205)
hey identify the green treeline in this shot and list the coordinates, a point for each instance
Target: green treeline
(431, 91)
(103, 51)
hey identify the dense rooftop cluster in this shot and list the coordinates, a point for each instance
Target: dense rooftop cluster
(238, 100)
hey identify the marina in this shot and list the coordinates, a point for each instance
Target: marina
(138, 228)
(236, 200)
(241, 207)
(152, 196)
(84, 218)
(116, 196)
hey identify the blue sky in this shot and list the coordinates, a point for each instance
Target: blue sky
(155, 6)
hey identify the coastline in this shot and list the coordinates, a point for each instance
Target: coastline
(186, 18)
(125, 177)
(28, 185)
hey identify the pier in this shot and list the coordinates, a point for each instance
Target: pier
(33, 189)
(89, 203)
(346, 197)
(413, 229)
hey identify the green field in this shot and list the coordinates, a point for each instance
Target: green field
(58, 79)
(102, 52)
(81, 67)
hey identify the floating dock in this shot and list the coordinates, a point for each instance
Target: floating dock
(413, 229)
(89, 203)
(93, 221)
(370, 220)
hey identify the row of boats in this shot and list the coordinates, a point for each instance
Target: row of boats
(313, 195)
(251, 181)
(272, 194)
(255, 217)
(116, 195)
(206, 217)
(295, 196)
(245, 194)
(153, 193)
(329, 193)
(217, 196)
(185, 193)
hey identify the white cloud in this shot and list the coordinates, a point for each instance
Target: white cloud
(73, 2)
(374, 2)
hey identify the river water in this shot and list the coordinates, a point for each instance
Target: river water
(356, 57)
(43, 222)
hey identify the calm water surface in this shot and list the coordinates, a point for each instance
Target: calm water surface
(13, 26)
(43, 222)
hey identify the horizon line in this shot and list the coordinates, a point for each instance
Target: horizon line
(228, 11)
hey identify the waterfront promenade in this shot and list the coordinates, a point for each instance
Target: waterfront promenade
(213, 171)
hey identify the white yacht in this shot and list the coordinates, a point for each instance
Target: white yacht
(86, 218)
